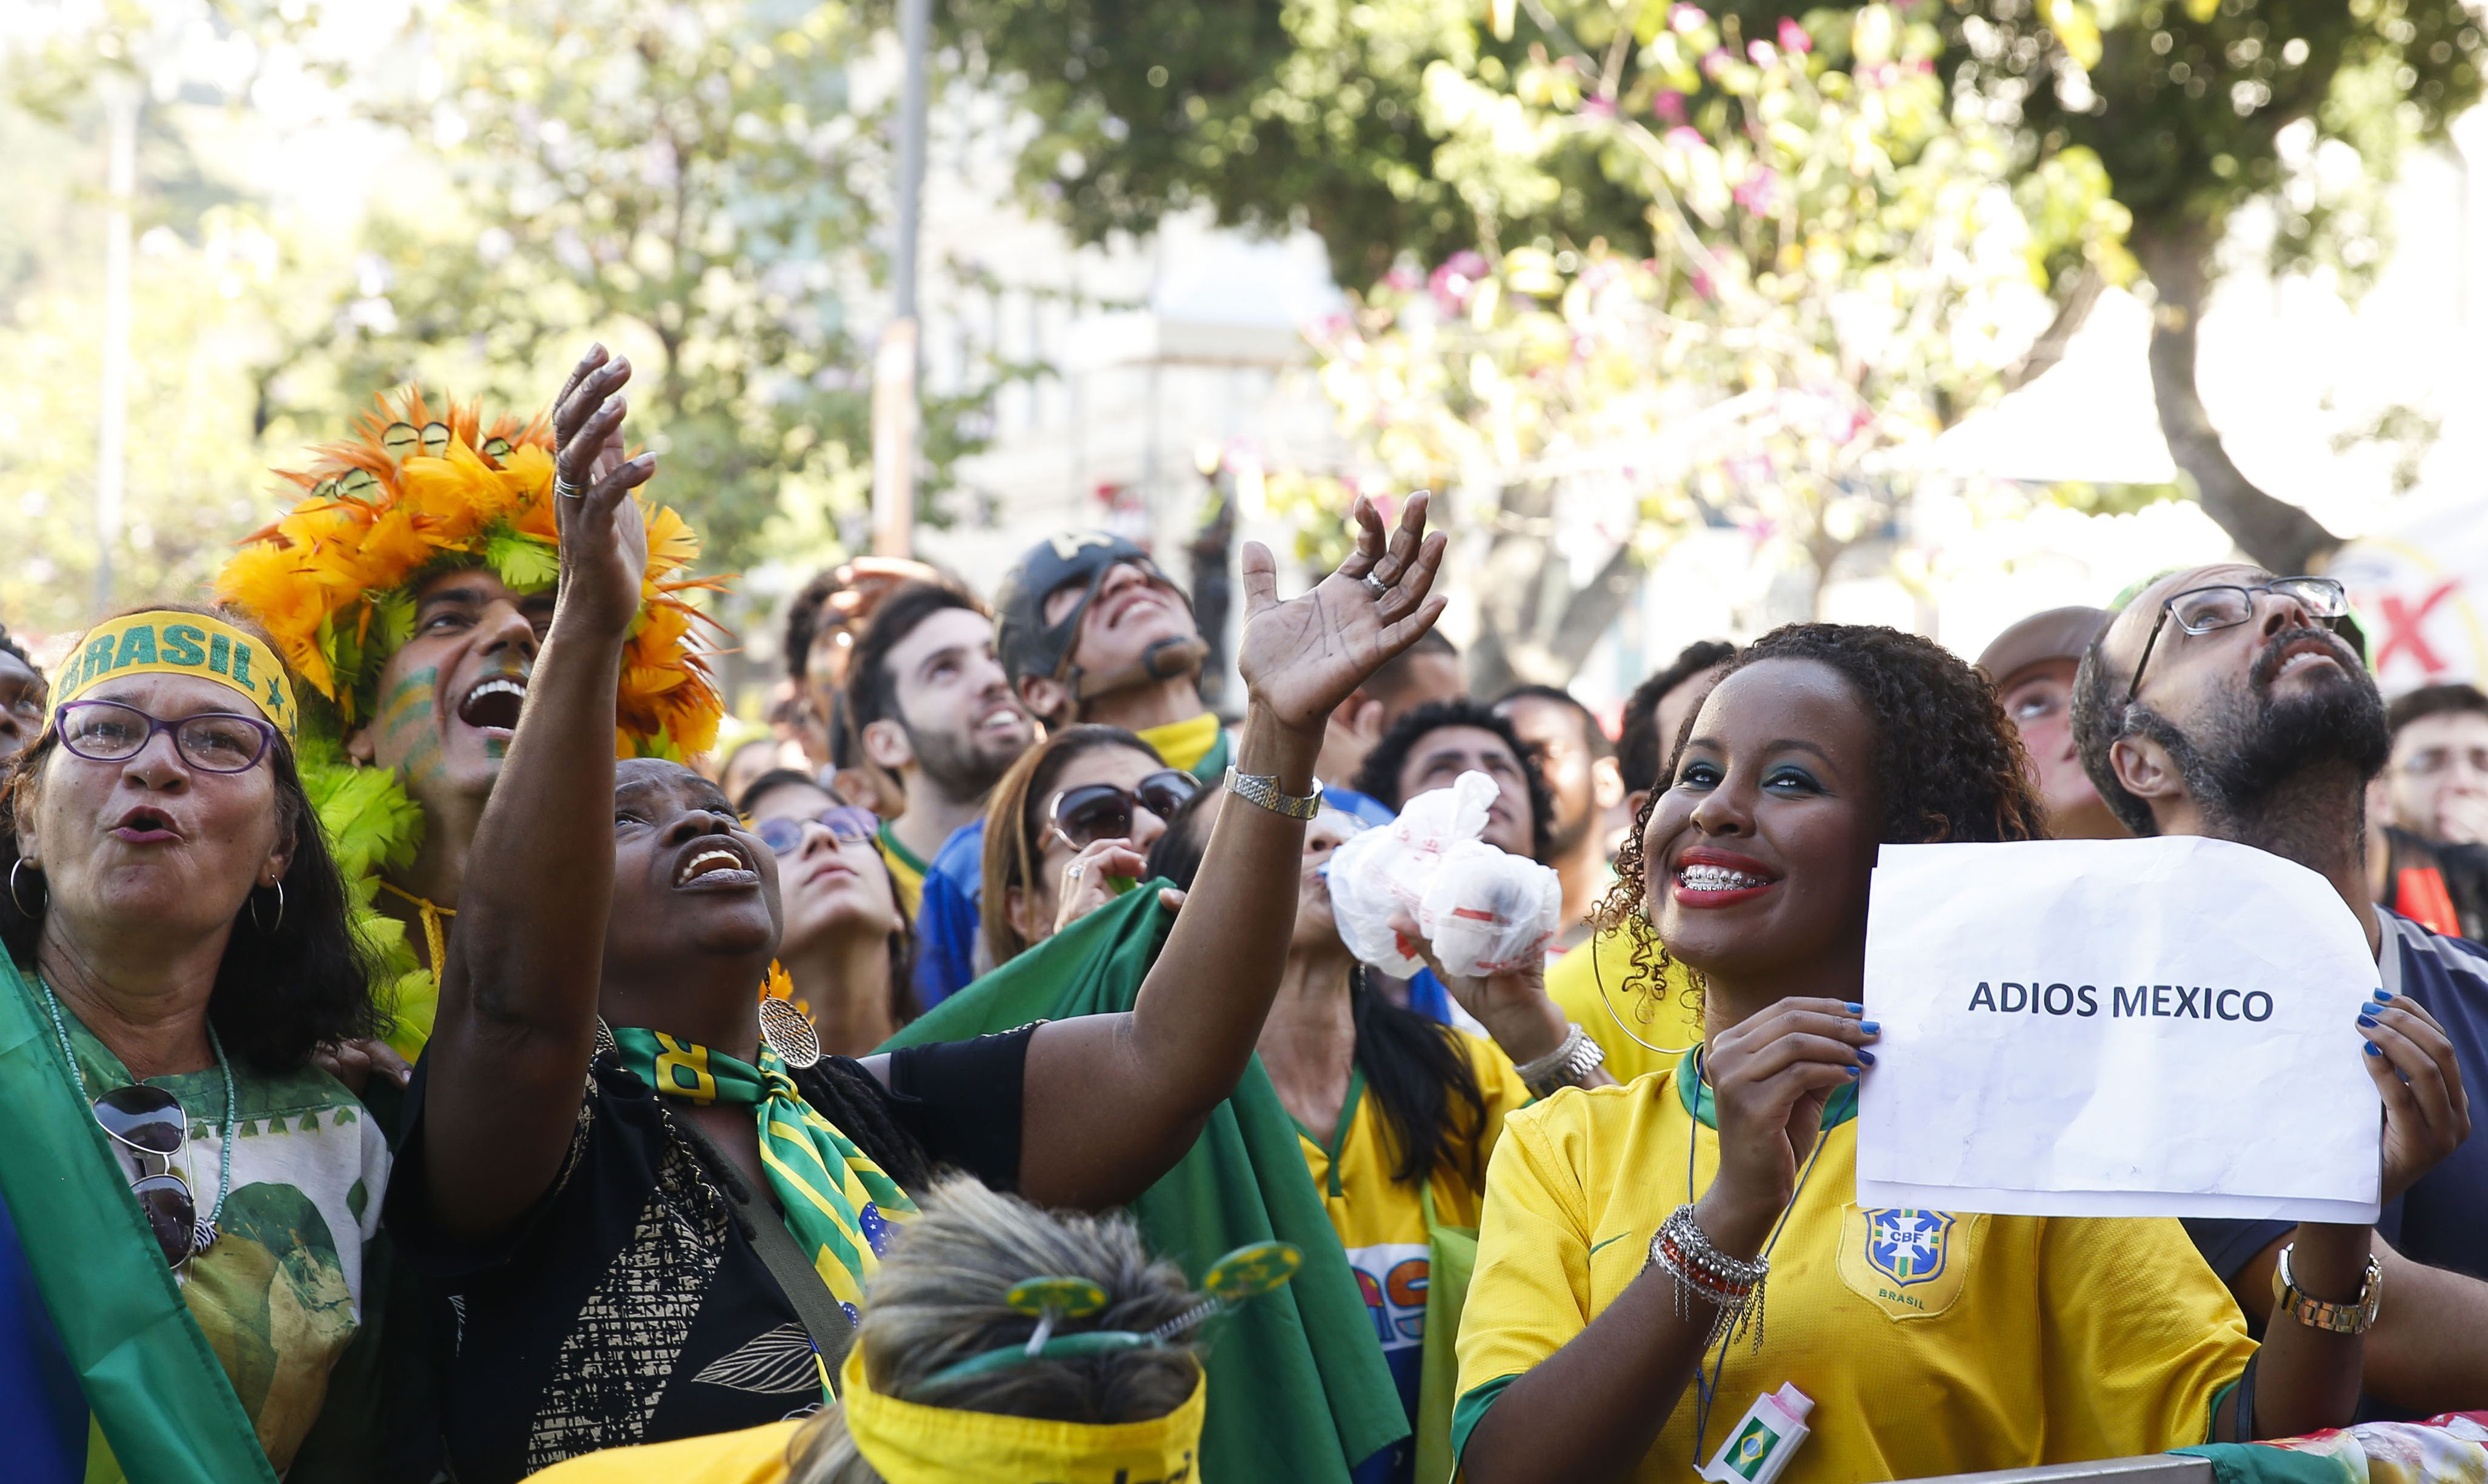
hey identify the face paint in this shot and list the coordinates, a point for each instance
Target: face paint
(408, 724)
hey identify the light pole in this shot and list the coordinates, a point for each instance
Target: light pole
(895, 409)
(121, 99)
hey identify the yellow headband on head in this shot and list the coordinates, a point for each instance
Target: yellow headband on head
(177, 643)
(911, 1444)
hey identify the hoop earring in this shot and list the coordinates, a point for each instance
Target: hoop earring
(19, 902)
(269, 927)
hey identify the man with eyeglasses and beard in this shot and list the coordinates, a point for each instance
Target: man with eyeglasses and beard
(2220, 702)
(932, 707)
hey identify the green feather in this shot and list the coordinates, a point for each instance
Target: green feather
(392, 622)
(523, 563)
(371, 823)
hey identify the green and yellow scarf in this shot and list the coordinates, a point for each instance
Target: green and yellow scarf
(838, 1203)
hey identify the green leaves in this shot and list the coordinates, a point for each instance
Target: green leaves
(522, 563)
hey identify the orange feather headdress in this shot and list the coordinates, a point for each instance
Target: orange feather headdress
(421, 489)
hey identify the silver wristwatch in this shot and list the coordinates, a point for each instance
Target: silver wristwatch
(1565, 1066)
(1262, 790)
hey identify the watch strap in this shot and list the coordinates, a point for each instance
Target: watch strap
(2351, 1318)
(1262, 790)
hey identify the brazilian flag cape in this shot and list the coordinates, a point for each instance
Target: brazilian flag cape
(1298, 1389)
(104, 1373)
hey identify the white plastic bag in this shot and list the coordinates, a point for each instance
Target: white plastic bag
(1483, 910)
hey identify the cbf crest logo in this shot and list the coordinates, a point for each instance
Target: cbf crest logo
(1907, 1247)
(1908, 1263)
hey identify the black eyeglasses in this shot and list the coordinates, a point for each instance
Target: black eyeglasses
(1082, 817)
(147, 1124)
(846, 824)
(2203, 609)
(212, 742)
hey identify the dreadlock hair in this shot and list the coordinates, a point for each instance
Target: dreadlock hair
(1950, 765)
(1015, 826)
(940, 1297)
(279, 995)
(1642, 755)
(1426, 1087)
(1379, 775)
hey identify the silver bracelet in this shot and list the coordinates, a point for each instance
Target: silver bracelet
(1732, 1285)
(1565, 1066)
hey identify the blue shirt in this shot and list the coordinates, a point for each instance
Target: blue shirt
(947, 918)
(1364, 807)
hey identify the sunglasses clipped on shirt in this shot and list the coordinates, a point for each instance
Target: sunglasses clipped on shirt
(1082, 817)
(847, 825)
(147, 1124)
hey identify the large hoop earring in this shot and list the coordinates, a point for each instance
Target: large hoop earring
(19, 901)
(269, 927)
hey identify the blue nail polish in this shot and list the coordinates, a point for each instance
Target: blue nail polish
(1851, 1071)
(2383, 998)
(1856, 1008)
(2366, 1020)
(2374, 1049)
(1866, 1057)
(1871, 1027)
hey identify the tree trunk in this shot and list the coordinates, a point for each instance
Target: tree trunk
(2176, 253)
(1526, 631)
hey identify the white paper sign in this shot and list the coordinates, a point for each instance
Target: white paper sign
(2117, 1027)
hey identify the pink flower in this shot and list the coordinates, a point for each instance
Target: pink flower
(1702, 285)
(1715, 62)
(1792, 38)
(1669, 105)
(1760, 53)
(1759, 190)
(1454, 284)
(1687, 18)
(1598, 107)
(1684, 137)
(1401, 278)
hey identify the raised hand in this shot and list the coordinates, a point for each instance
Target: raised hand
(1301, 658)
(1771, 1076)
(603, 538)
(2427, 1111)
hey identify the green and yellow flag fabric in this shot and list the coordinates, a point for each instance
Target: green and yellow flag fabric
(838, 1203)
(104, 1373)
(1298, 1389)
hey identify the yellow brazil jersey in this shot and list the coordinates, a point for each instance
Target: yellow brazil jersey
(756, 1455)
(1673, 1021)
(1382, 1222)
(906, 872)
(1930, 1343)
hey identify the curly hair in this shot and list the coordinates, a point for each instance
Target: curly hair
(279, 994)
(1640, 754)
(1378, 778)
(1949, 763)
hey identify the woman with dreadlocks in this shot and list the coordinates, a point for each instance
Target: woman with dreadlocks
(644, 1217)
(1628, 1233)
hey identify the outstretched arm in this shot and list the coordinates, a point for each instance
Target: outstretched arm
(518, 995)
(1112, 1101)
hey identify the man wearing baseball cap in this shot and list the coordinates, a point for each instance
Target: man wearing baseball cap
(2032, 666)
(1090, 630)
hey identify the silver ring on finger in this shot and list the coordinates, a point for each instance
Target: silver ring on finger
(1376, 586)
(566, 489)
(1072, 872)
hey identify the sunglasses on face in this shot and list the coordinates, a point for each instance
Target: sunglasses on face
(846, 824)
(148, 1128)
(212, 742)
(1082, 817)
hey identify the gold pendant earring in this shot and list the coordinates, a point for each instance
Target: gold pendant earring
(789, 1032)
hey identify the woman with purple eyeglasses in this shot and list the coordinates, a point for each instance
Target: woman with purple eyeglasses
(190, 1202)
(847, 945)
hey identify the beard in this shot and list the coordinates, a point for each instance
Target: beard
(960, 764)
(2254, 751)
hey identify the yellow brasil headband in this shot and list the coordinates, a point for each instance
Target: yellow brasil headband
(912, 1444)
(169, 642)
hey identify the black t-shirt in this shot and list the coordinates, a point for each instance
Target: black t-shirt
(629, 1307)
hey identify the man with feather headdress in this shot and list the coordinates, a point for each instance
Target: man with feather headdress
(409, 588)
